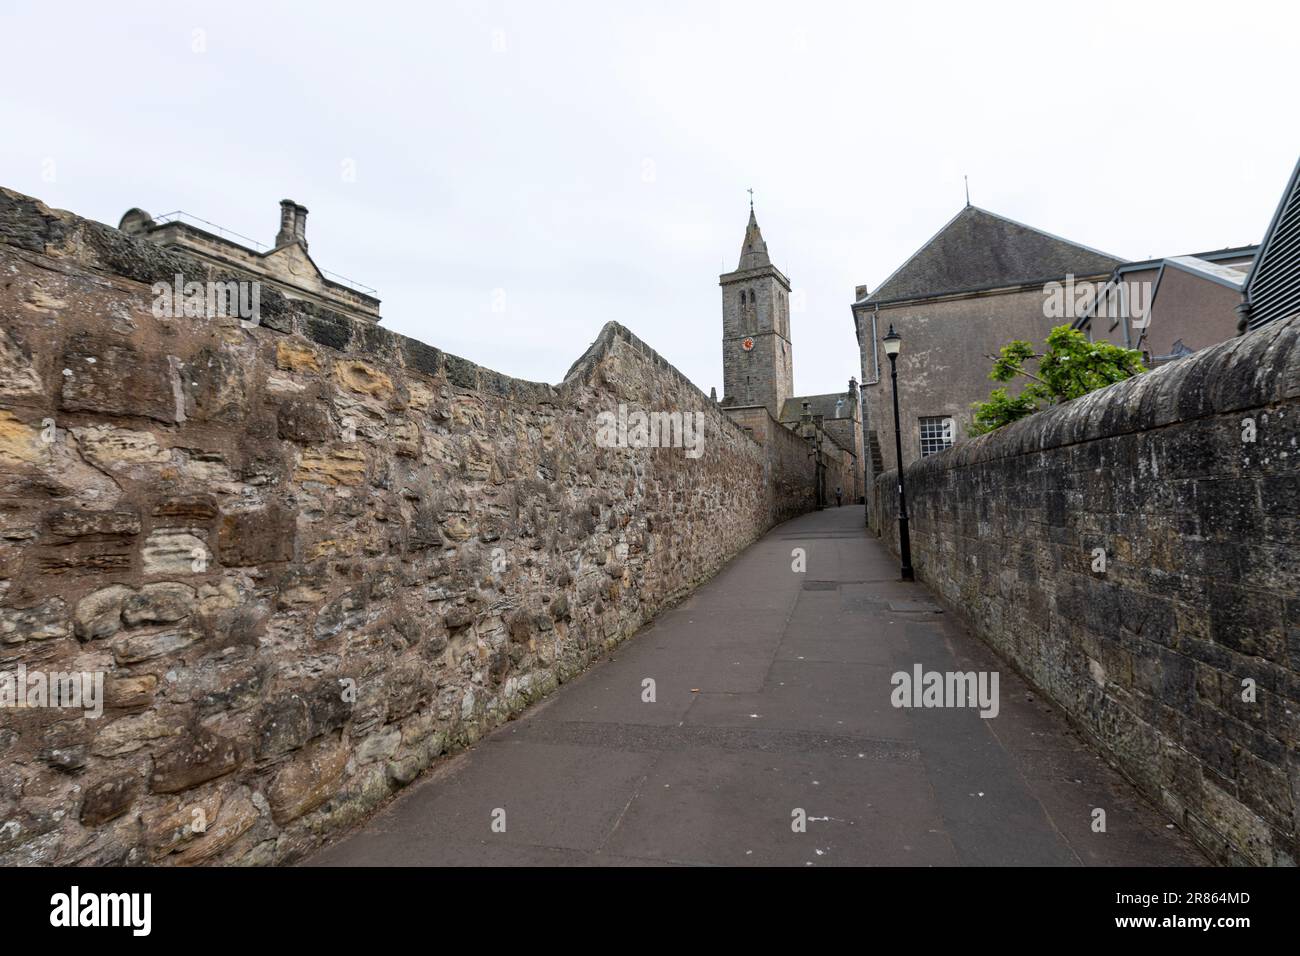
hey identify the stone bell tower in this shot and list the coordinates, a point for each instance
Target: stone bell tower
(757, 364)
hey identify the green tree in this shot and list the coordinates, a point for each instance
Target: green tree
(1071, 366)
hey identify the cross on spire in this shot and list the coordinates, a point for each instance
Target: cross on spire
(751, 199)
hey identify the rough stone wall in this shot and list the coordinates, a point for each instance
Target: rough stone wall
(307, 557)
(848, 432)
(790, 472)
(839, 473)
(1201, 588)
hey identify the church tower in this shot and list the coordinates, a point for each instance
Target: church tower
(757, 364)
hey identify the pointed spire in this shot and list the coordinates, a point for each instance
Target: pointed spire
(753, 254)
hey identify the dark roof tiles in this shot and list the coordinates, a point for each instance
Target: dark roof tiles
(978, 249)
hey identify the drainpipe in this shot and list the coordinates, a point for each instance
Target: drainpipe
(875, 346)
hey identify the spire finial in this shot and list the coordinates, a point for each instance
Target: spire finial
(751, 199)
(967, 179)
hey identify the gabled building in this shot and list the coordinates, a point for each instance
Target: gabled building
(1169, 308)
(978, 283)
(286, 265)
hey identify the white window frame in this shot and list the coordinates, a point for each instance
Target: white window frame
(941, 434)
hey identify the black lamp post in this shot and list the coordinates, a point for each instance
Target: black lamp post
(893, 342)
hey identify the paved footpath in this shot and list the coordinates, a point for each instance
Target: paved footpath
(773, 694)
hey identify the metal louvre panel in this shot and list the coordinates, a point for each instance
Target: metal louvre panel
(1275, 285)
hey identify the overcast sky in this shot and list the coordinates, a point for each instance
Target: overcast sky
(591, 160)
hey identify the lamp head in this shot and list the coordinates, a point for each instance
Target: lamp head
(893, 342)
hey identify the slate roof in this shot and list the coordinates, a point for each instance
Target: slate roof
(979, 249)
(824, 405)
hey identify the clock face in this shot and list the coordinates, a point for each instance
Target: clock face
(747, 345)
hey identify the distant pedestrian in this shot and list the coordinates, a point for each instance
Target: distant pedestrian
(839, 497)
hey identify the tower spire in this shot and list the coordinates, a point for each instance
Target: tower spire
(757, 363)
(753, 253)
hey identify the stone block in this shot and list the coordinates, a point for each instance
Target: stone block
(109, 798)
(175, 551)
(197, 759)
(256, 538)
(43, 622)
(162, 603)
(99, 614)
(307, 781)
(109, 378)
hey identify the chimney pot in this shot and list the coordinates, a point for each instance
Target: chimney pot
(288, 222)
(300, 224)
(293, 223)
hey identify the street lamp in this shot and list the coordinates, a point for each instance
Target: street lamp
(893, 343)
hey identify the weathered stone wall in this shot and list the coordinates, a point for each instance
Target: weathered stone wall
(790, 472)
(840, 472)
(308, 557)
(1201, 588)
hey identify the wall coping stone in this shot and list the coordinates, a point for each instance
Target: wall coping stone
(1251, 371)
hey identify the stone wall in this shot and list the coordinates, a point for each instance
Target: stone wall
(307, 556)
(1154, 658)
(790, 469)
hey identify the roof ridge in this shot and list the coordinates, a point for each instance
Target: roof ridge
(979, 249)
(1049, 235)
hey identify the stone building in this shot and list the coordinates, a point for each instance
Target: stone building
(840, 416)
(287, 265)
(976, 285)
(758, 370)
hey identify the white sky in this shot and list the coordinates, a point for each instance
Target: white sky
(596, 168)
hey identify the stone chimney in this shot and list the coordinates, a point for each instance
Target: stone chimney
(293, 223)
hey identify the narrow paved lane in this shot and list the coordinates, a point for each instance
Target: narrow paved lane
(773, 696)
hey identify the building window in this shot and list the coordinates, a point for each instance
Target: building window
(937, 433)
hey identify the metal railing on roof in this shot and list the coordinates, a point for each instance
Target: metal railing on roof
(352, 284)
(180, 215)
